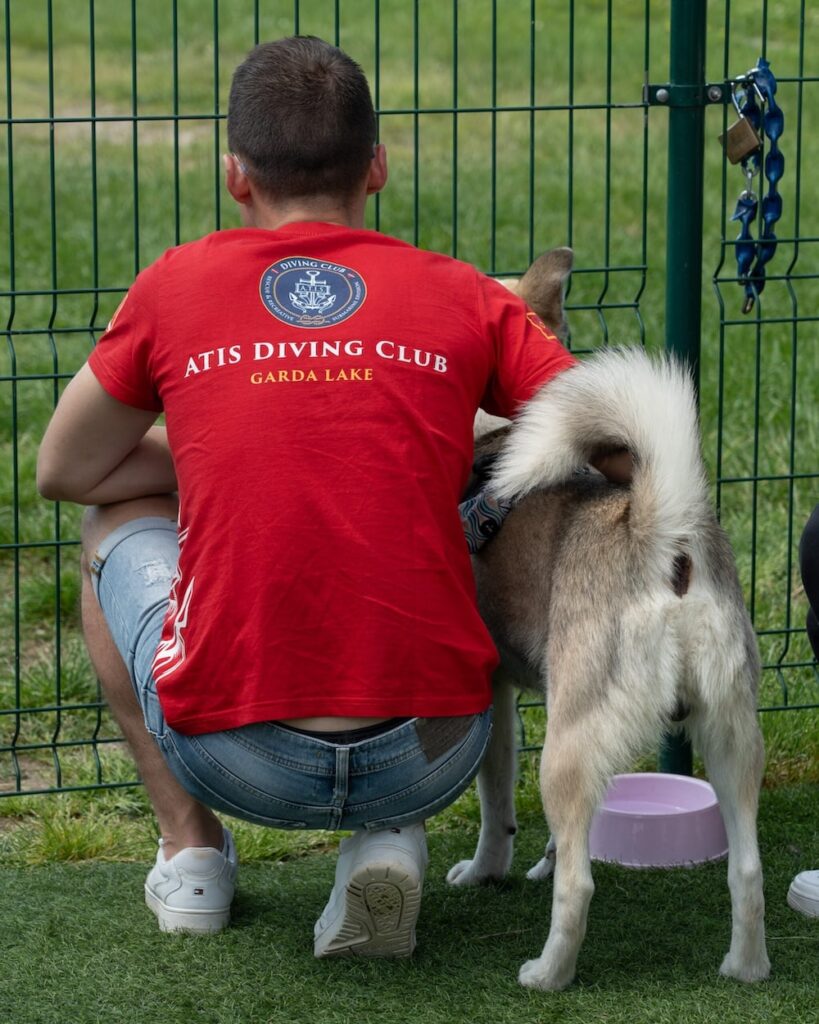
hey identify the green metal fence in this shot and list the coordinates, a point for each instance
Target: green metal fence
(511, 127)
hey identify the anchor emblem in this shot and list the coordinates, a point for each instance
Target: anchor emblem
(312, 295)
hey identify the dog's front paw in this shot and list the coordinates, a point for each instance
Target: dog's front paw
(542, 975)
(753, 969)
(469, 872)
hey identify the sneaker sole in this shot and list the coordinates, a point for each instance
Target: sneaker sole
(381, 907)
(193, 922)
(804, 904)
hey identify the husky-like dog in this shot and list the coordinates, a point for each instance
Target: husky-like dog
(622, 604)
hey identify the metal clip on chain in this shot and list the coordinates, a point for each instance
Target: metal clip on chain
(758, 84)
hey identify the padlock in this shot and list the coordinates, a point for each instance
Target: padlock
(740, 140)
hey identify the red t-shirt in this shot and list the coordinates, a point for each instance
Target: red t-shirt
(319, 386)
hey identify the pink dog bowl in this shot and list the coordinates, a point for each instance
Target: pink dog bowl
(652, 820)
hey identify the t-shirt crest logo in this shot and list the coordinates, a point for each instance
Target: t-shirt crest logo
(304, 292)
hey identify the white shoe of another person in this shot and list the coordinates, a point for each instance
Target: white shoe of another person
(192, 891)
(803, 894)
(377, 895)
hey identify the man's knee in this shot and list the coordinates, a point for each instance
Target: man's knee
(809, 558)
(809, 541)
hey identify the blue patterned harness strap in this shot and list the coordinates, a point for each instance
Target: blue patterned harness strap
(481, 518)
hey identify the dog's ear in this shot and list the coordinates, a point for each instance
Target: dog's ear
(543, 287)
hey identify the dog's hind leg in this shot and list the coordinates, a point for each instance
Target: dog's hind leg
(571, 791)
(610, 683)
(496, 789)
(726, 731)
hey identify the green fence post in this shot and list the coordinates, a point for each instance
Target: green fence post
(683, 307)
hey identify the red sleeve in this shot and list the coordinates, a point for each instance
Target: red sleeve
(527, 353)
(121, 359)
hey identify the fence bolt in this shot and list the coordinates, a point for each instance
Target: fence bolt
(715, 93)
(662, 96)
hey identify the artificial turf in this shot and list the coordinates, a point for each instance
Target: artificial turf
(79, 946)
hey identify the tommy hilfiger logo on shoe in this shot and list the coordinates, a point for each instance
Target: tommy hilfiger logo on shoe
(198, 892)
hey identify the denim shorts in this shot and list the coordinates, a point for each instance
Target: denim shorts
(266, 772)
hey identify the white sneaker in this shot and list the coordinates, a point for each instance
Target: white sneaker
(377, 895)
(192, 891)
(803, 894)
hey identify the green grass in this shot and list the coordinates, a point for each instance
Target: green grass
(80, 946)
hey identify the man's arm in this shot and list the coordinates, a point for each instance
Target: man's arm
(97, 450)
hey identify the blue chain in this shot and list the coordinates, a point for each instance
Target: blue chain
(752, 256)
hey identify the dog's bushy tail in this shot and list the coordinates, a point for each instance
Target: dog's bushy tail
(617, 397)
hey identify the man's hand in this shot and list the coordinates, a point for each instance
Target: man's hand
(97, 450)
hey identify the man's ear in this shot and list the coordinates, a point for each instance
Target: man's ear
(377, 177)
(236, 179)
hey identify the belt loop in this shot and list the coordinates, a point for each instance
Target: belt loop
(342, 784)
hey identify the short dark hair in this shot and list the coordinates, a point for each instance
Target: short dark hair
(301, 118)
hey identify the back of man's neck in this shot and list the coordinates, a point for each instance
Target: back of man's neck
(273, 216)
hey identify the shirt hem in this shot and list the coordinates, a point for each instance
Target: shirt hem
(219, 722)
